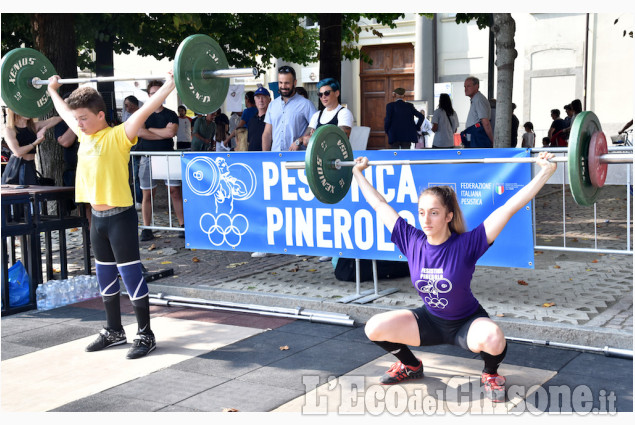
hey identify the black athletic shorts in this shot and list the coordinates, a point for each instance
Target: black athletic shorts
(113, 235)
(434, 330)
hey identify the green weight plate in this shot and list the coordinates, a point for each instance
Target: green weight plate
(198, 53)
(585, 124)
(19, 68)
(328, 184)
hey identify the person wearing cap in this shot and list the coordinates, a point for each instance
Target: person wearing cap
(256, 124)
(288, 115)
(399, 122)
(333, 113)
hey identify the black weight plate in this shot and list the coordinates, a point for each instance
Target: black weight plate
(327, 144)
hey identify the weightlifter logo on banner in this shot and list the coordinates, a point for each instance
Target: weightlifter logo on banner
(225, 184)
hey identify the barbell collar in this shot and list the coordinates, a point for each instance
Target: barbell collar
(219, 73)
(231, 73)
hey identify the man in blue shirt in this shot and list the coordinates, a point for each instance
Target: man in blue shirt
(288, 116)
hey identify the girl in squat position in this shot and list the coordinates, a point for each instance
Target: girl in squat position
(442, 257)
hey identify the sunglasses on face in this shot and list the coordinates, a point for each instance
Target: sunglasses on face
(325, 93)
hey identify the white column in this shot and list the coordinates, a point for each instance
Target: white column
(419, 65)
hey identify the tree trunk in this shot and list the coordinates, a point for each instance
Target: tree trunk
(504, 29)
(104, 67)
(54, 36)
(330, 47)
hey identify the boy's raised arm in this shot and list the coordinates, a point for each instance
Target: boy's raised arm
(62, 107)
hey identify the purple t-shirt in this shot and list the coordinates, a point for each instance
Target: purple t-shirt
(442, 273)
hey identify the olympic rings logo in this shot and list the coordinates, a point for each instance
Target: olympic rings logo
(436, 302)
(224, 229)
(434, 287)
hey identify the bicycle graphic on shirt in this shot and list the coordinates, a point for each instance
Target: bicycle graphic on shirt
(434, 287)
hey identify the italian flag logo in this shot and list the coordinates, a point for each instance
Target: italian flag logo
(499, 189)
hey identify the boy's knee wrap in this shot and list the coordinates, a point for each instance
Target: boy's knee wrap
(108, 278)
(132, 276)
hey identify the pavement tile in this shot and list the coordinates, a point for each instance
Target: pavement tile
(242, 357)
(538, 357)
(51, 335)
(330, 358)
(47, 379)
(210, 316)
(179, 409)
(599, 366)
(243, 396)
(314, 329)
(568, 392)
(15, 324)
(109, 403)
(10, 350)
(181, 385)
(258, 321)
(250, 320)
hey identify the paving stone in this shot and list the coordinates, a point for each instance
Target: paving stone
(248, 355)
(325, 360)
(242, 396)
(110, 403)
(168, 386)
(50, 335)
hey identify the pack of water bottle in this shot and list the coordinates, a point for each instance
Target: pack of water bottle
(58, 293)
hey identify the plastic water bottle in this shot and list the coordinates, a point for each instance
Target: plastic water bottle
(49, 290)
(63, 291)
(95, 286)
(85, 287)
(40, 296)
(73, 296)
(78, 283)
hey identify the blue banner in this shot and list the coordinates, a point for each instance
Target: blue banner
(248, 201)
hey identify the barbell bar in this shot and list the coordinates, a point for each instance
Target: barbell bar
(337, 163)
(201, 76)
(329, 161)
(221, 73)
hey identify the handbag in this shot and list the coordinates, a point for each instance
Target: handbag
(44, 181)
(475, 137)
(11, 174)
(19, 288)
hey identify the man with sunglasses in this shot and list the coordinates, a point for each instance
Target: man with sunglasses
(399, 123)
(333, 112)
(288, 116)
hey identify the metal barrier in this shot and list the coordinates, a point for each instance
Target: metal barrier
(168, 168)
(171, 172)
(617, 176)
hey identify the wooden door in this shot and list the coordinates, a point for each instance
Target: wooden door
(392, 67)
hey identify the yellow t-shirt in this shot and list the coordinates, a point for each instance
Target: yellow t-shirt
(102, 167)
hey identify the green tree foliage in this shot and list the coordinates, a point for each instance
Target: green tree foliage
(248, 39)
